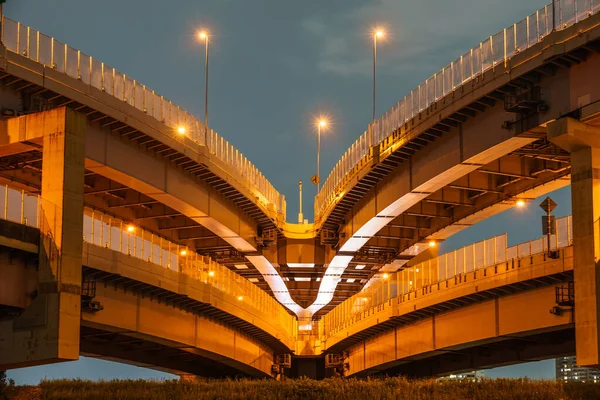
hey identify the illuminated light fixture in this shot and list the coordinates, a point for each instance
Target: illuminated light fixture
(385, 275)
(417, 270)
(362, 266)
(241, 266)
(520, 203)
(350, 280)
(305, 327)
(130, 228)
(432, 243)
(322, 123)
(297, 279)
(240, 298)
(410, 282)
(211, 273)
(203, 35)
(253, 280)
(183, 253)
(379, 33)
(181, 130)
(300, 265)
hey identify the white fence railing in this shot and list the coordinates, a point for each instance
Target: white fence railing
(470, 258)
(48, 51)
(492, 51)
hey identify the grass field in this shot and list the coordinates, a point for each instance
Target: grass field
(390, 388)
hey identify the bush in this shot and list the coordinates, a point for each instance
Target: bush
(305, 389)
(5, 385)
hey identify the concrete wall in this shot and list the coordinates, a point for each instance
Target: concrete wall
(497, 319)
(144, 318)
(114, 262)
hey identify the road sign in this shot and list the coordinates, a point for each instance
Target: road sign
(315, 179)
(548, 227)
(548, 205)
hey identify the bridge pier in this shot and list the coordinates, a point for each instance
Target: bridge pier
(48, 329)
(583, 142)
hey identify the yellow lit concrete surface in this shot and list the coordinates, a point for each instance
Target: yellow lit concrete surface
(18, 280)
(77, 90)
(147, 317)
(114, 262)
(48, 330)
(464, 148)
(492, 321)
(109, 156)
(487, 321)
(143, 318)
(583, 142)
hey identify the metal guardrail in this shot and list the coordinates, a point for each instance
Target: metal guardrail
(496, 49)
(486, 253)
(50, 52)
(116, 234)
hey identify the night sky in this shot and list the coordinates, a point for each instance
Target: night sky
(275, 66)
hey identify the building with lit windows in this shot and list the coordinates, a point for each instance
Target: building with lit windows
(468, 376)
(567, 370)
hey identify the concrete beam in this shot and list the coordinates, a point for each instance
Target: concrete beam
(110, 156)
(48, 330)
(573, 135)
(485, 323)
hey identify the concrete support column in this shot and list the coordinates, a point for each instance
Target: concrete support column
(48, 330)
(583, 142)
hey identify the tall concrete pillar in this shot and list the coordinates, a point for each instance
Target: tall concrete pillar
(48, 330)
(583, 142)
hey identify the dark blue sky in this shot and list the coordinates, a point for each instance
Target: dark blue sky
(275, 65)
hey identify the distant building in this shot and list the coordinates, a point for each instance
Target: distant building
(468, 376)
(567, 370)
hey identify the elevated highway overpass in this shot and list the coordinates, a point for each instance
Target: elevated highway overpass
(176, 312)
(152, 305)
(511, 119)
(481, 306)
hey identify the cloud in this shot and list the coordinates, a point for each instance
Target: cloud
(424, 34)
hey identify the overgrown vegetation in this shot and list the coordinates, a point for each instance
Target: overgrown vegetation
(390, 388)
(6, 385)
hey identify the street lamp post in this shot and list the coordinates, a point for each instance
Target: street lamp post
(322, 124)
(204, 36)
(316, 179)
(377, 34)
